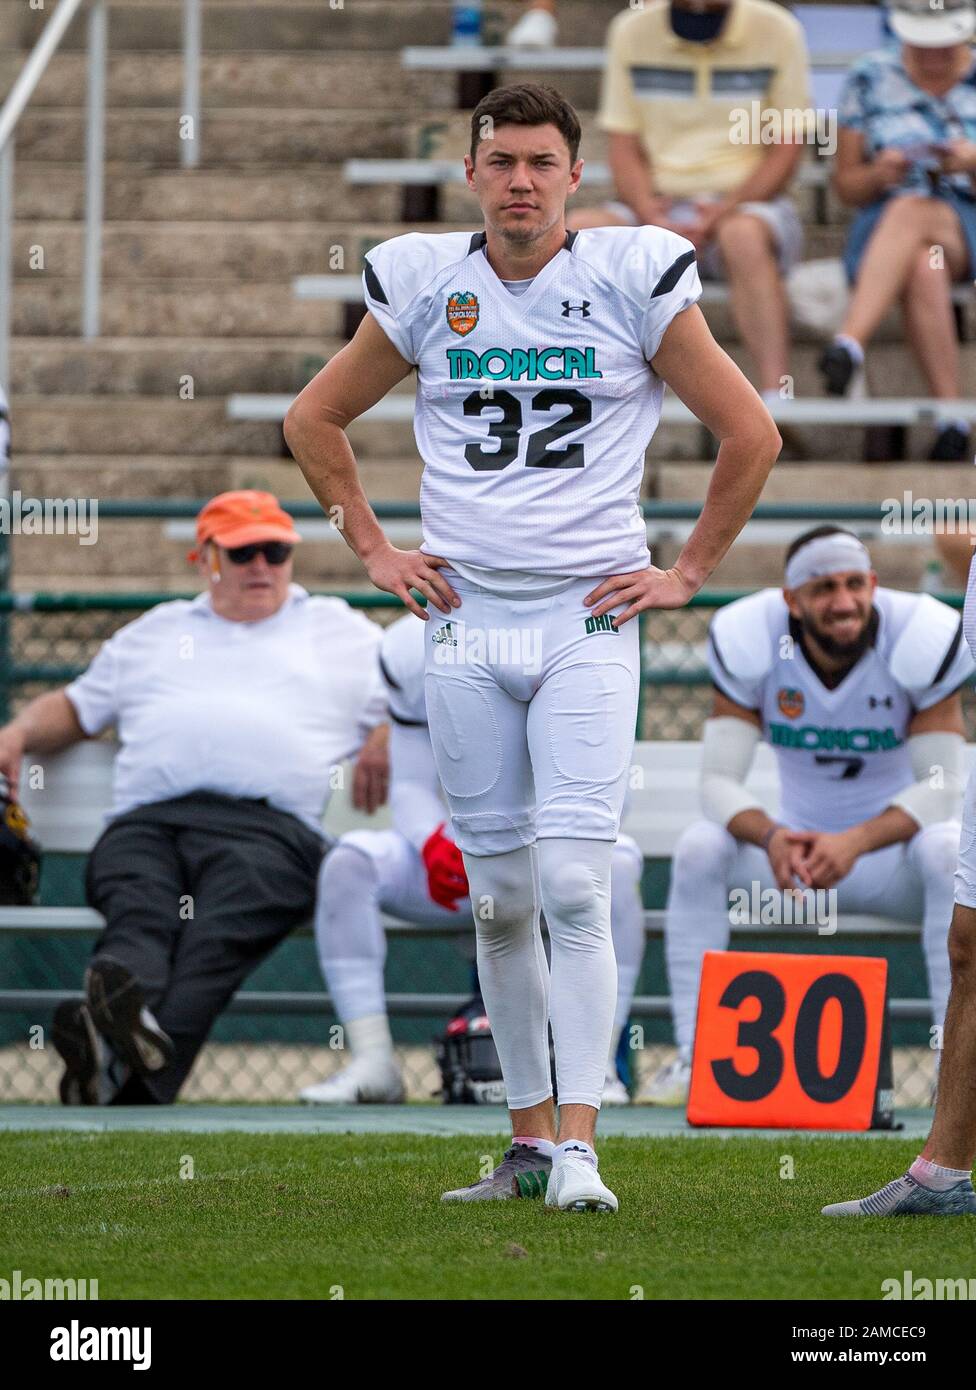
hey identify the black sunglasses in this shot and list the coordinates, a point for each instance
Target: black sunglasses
(275, 552)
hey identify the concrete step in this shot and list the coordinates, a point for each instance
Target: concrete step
(749, 566)
(825, 480)
(269, 25)
(214, 250)
(52, 306)
(137, 475)
(200, 251)
(332, 80)
(124, 426)
(229, 137)
(176, 367)
(302, 193)
(159, 365)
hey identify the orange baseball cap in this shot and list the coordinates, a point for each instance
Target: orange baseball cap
(243, 518)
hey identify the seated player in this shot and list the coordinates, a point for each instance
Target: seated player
(857, 689)
(416, 872)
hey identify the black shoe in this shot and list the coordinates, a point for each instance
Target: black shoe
(119, 1013)
(951, 446)
(837, 366)
(74, 1036)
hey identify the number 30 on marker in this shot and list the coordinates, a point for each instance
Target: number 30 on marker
(788, 1041)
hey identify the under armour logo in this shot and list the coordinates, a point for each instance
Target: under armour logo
(875, 700)
(583, 308)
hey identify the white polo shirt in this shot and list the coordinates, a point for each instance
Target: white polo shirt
(262, 709)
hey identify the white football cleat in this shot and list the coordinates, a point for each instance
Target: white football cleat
(669, 1086)
(615, 1092)
(536, 29)
(365, 1081)
(575, 1185)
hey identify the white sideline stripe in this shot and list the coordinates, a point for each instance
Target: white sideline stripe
(804, 410)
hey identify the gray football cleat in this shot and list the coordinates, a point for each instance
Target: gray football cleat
(907, 1197)
(523, 1172)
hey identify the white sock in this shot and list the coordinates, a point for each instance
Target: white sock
(935, 1176)
(852, 345)
(512, 970)
(370, 1037)
(577, 1148)
(544, 1146)
(575, 881)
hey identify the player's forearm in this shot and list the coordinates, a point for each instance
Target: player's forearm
(47, 724)
(751, 826)
(738, 478)
(324, 454)
(892, 825)
(633, 179)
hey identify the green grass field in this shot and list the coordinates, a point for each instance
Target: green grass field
(273, 1216)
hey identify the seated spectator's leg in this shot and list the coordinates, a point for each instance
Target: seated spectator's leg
(930, 326)
(749, 258)
(907, 225)
(252, 873)
(135, 878)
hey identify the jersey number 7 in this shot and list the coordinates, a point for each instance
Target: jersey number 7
(507, 430)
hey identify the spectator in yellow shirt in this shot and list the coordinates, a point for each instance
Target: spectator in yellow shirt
(700, 102)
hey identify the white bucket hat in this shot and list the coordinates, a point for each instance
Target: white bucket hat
(933, 23)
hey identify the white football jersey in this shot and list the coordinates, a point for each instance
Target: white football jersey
(534, 410)
(969, 607)
(842, 753)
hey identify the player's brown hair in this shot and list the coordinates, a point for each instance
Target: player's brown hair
(529, 103)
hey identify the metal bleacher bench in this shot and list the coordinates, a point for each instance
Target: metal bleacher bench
(68, 815)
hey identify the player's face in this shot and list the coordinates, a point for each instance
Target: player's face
(835, 609)
(245, 593)
(522, 176)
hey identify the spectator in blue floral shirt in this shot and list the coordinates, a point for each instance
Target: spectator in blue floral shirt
(906, 158)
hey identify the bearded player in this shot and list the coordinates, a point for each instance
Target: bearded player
(541, 361)
(856, 687)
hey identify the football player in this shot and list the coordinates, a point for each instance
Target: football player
(541, 360)
(416, 872)
(939, 1182)
(856, 687)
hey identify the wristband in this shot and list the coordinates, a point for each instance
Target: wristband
(767, 836)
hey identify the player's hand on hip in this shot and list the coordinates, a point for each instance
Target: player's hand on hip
(642, 589)
(399, 571)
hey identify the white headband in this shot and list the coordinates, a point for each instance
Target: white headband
(833, 554)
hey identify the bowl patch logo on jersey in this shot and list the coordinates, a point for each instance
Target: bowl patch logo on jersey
(462, 312)
(790, 702)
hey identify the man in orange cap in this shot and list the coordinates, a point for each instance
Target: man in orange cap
(231, 711)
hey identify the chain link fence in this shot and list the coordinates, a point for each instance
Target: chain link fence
(269, 1056)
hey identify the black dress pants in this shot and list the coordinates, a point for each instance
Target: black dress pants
(196, 892)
